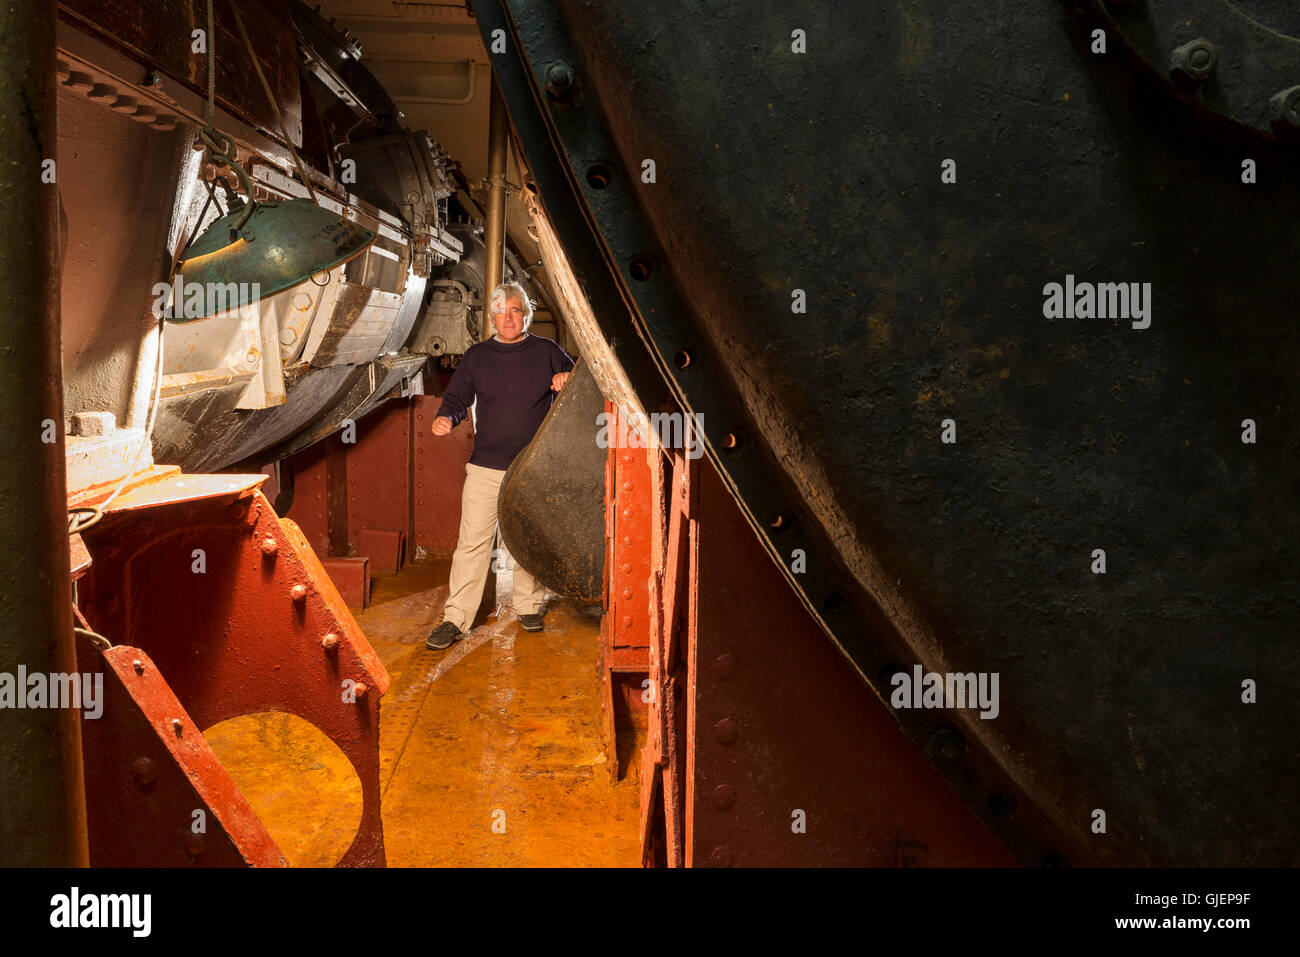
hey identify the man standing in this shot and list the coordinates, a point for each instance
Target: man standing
(514, 376)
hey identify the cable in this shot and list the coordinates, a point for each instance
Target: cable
(275, 107)
(95, 638)
(212, 66)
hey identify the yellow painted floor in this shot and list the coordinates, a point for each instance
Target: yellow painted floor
(491, 751)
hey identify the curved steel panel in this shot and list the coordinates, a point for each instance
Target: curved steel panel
(821, 172)
(551, 506)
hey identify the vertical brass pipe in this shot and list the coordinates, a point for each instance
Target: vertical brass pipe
(42, 795)
(494, 237)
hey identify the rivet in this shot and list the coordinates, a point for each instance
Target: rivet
(726, 731)
(269, 547)
(627, 621)
(143, 770)
(724, 666)
(330, 642)
(360, 690)
(298, 593)
(724, 797)
(195, 844)
(627, 593)
(1000, 804)
(138, 665)
(945, 743)
(177, 726)
(720, 856)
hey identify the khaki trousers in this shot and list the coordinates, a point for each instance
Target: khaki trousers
(473, 556)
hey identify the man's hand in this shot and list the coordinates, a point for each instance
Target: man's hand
(558, 380)
(442, 425)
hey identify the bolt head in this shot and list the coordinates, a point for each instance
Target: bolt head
(269, 546)
(1285, 107)
(298, 593)
(1193, 62)
(138, 665)
(559, 78)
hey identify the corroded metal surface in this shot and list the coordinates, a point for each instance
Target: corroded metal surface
(632, 480)
(161, 797)
(237, 614)
(801, 275)
(552, 500)
(794, 762)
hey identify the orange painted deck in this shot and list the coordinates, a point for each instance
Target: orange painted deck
(491, 750)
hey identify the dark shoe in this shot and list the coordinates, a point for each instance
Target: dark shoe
(444, 636)
(531, 622)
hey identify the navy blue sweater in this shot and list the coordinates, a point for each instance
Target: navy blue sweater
(513, 386)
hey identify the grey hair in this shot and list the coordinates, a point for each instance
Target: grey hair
(511, 290)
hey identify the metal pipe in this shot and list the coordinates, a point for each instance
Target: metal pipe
(42, 792)
(494, 237)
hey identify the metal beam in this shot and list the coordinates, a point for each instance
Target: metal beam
(495, 233)
(42, 799)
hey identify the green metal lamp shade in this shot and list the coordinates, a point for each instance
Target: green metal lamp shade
(281, 245)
